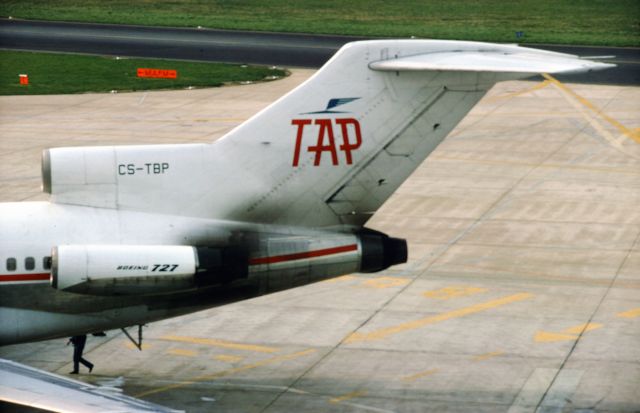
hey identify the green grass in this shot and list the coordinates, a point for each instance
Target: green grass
(51, 73)
(592, 22)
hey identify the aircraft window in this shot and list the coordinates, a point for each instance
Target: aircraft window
(29, 263)
(11, 264)
(46, 263)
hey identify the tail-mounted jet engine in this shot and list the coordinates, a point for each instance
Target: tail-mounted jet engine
(278, 262)
(143, 269)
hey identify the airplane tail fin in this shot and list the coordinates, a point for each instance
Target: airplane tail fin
(334, 149)
(328, 153)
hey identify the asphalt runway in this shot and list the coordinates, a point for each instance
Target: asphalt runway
(282, 49)
(521, 293)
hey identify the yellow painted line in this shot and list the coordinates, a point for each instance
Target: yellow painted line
(182, 352)
(583, 328)
(630, 314)
(486, 356)
(339, 279)
(221, 343)
(348, 396)
(571, 333)
(537, 86)
(447, 293)
(145, 346)
(548, 337)
(385, 282)
(420, 375)
(623, 129)
(228, 358)
(415, 324)
(228, 372)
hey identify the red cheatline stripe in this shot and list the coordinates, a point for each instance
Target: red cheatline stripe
(302, 255)
(25, 277)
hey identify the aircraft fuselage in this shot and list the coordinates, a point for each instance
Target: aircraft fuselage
(31, 309)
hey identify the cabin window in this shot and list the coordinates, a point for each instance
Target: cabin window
(11, 264)
(46, 263)
(29, 263)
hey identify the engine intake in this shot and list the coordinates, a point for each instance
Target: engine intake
(143, 269)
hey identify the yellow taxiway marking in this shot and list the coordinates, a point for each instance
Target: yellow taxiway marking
(631, 134)
(130, 345)
(420, 375)
(342, 278)
(630, 314)
(571, 333)
(182, 352)
(228, 372)
(486, 356)
(385, 282)
(453, 292)
(415, 324)
(582, 328)
(221, 343)
(228, 358)
(533, 88)
(348, 396)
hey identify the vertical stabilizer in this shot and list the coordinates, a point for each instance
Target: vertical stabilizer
(328, 153)
(334, 149)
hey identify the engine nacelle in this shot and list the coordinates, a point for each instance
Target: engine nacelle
(279, 261)
(380, 251)
(143, 269)
(288, 261)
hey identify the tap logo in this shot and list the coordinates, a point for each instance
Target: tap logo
(324, 130)
(332, 104)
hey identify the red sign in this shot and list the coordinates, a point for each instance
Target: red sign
(158, 73)
(24, 79)
(326, 132)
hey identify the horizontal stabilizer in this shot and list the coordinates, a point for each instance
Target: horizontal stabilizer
(514, 60)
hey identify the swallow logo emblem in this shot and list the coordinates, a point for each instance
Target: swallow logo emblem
(333, 103)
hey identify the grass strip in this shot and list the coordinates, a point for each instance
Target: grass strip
(51, 73)
(591, 22)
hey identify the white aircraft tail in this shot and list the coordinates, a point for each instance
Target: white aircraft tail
(334, 149)
(328, 153)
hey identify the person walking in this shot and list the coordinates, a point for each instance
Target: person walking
(78, 347)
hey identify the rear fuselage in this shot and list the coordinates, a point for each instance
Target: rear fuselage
(32, 309)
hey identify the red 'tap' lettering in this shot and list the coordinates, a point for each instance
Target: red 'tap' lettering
(347, 146)
(300, 123)
(325, 130)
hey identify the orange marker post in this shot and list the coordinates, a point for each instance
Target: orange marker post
(24, 80)
(157, 73)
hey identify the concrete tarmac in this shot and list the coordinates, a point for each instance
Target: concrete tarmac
(522, 292)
